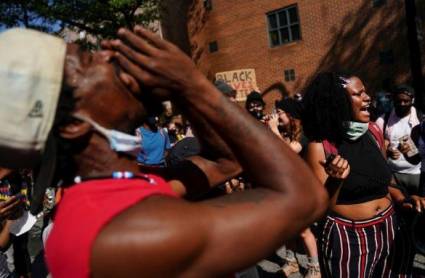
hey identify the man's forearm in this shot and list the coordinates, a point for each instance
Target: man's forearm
(252, 143)
(213, 146)
(216, 160)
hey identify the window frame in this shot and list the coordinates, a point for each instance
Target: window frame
(289, 75)
(208, 5)
(288, 26)
(378, 3)
(213, 47)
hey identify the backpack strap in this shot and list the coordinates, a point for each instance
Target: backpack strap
(329, 148)
(377, 134)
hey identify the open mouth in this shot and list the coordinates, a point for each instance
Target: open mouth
(365, 108)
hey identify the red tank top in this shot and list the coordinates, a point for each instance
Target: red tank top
(82, 213)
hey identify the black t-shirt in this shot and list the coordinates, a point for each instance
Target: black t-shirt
(369, 176)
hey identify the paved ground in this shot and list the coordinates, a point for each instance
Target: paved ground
(271, 268)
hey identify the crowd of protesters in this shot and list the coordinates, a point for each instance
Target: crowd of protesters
(140, 166)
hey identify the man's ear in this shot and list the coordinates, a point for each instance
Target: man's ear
(74, 129)
(130, 82)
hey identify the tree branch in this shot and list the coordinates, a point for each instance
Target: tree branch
(82, 26)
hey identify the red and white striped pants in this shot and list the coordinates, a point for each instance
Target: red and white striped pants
(376, 247)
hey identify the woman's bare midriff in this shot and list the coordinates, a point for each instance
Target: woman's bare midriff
(361, 211)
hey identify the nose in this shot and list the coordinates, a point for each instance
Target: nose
(366, 97)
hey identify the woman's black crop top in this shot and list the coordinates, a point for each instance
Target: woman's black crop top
(369, 176)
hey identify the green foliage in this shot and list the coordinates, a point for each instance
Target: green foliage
(100, 19)
(22, 13)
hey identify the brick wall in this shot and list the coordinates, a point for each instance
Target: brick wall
(420, 9)
(336, 34)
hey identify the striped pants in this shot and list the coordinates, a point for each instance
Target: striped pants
(376, 247)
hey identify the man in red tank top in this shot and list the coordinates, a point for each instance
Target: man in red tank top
(113, 221)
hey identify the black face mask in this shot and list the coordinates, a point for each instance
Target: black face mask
(151, 122)
(172, 132)
(257, 114)
(402, 110)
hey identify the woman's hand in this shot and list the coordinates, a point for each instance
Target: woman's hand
(11, 209)
(414, 202)
(337, 168)
(273, 122)
(393, 153)
(234, 185)
(404, 148)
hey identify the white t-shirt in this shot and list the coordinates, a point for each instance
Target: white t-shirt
(397, 128)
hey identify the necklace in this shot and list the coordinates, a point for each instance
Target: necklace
(116, 175)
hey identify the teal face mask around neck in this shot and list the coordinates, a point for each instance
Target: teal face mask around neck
(354, 130)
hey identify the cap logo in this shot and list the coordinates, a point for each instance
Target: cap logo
(37, 110)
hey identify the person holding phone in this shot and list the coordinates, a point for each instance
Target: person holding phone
(11, 208)
(11, 201)
(397, 126)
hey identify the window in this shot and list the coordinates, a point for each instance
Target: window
(208, 5)
(213, 46)
(289, 75)
(378, 3)
(386, 57)
(283, 26)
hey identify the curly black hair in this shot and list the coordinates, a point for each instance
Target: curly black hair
(326, 107)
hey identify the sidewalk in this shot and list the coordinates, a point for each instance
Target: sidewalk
(271, 268)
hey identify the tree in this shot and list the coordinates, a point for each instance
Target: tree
(100, 19)
(22, 13)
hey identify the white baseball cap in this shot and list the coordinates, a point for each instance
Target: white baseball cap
(31, 72)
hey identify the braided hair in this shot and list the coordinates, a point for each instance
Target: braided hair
(326, 107)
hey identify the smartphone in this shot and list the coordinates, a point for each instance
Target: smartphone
(329, 159)
(407, 140)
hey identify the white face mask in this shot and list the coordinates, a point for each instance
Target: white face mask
(354, 130)
(118, 141)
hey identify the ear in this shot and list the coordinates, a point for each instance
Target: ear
(130, 82)
(74, 129)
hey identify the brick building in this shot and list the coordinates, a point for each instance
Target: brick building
(283, 43)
